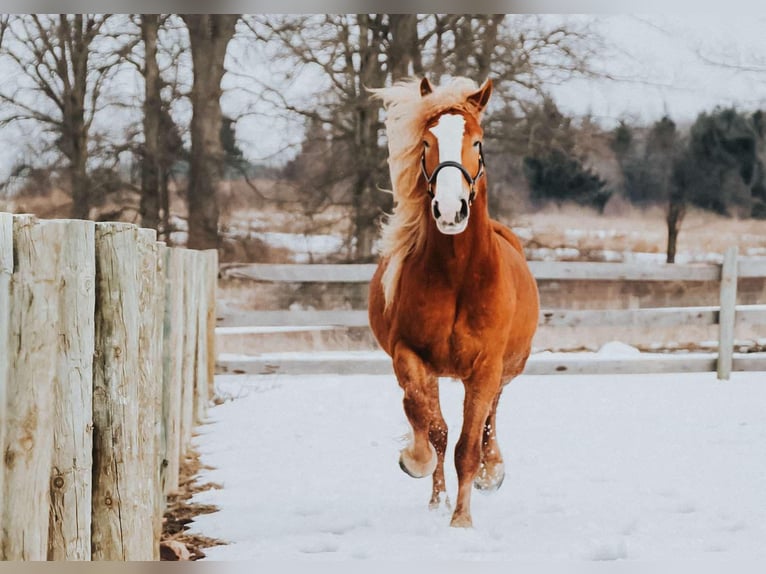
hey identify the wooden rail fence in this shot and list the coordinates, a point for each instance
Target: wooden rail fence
(106, 355)
(727, 315)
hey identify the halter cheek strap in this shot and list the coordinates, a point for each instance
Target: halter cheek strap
(430, 179)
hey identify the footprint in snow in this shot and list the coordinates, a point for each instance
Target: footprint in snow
(319, 547)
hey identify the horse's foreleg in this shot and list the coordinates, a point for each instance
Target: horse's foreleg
(491, 468)
(419, 458)
(437, 434)
(480, 392)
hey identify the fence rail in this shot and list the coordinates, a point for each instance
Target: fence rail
(727, 315)
(97, 320)
(542, 270)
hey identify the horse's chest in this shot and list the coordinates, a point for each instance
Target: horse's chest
(443, 330)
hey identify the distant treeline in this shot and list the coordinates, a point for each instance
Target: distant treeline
(173, 143)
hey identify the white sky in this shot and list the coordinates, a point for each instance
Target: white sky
(657, 58)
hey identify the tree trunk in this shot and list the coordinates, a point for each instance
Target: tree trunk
(150, 165)
(75, 129)
(488, 46)
(209, 35)
(370, 157)
(404, 49)
(676, 211)
(81, 200)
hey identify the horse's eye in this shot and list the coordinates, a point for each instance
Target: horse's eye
(476, 144)
(425, 144)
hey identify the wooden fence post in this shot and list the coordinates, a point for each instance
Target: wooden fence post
(158, 320)
(188, 367)
(6, 271)
(71, 465)
(116, 488)
(211, 281)
(201, 391)
(33, 349)
(172, 378)
(727, 312)
(149, 389)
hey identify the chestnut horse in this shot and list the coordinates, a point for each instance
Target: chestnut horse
(453, 295)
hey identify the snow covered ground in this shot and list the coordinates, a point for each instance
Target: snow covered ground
(661, 467)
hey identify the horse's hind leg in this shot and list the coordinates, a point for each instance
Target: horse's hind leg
(437, 434)
(418, 459)
(491, 468)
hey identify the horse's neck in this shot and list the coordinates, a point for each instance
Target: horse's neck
(454, 254)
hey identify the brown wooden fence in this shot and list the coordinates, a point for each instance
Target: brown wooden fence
(106, 350)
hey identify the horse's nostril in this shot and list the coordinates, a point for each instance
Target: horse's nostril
(463, 211)
(437, 213)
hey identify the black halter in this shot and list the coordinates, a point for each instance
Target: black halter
(471, 180)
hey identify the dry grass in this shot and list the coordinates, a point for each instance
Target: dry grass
(180, 511)
(640, 231)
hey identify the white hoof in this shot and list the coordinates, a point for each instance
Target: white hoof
(414, 468)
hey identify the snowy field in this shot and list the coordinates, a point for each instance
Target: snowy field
(629, 468)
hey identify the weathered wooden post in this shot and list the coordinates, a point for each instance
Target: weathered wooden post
(727, 312)
(158, 320)
(149, 390)
(201, 391)
(212, 287)
(6, 271)
(33, 349)
(71, 465)
(172, 361)
(188, 367)
(117, 504)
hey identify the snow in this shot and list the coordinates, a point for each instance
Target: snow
(599, 468)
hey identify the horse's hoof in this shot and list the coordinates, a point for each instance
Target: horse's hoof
(417, 469)
(461, 521)
(489, 478)
(437, 501)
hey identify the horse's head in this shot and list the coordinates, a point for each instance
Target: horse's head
(452, 162)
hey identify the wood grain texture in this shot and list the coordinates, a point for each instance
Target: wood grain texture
(71, 465)
(33, 350)
(188, 366)
(116, 488)
(158, 343)
(6, 272)
(172, 360)
(149, 392)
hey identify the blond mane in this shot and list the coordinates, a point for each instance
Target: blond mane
(407, 113)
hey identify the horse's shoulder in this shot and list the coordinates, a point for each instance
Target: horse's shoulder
(508, 235)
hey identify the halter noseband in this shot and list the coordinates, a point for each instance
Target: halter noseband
(470, 179)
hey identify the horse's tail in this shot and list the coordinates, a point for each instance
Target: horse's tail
(508, 235)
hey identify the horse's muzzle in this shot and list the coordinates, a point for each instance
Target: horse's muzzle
(451, 223)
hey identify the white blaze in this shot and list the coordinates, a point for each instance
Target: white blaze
(449, 181)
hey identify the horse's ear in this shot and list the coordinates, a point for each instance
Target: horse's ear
(425, 87)
(481, 97)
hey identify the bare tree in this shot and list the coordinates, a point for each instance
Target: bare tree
(158, 56)
(209, 35)
(151, 191)
(62, 71)
(347, 53)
